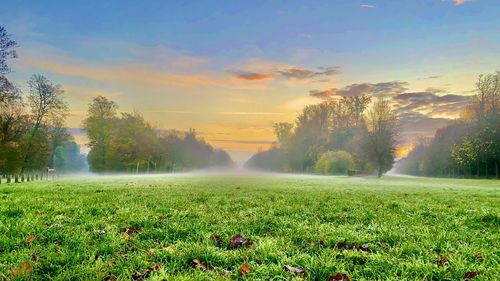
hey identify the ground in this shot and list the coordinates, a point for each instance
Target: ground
(179, 227)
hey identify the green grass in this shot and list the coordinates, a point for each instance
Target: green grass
(72, 229)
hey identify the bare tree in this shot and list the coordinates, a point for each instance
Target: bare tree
(7, 50)
(488, 94)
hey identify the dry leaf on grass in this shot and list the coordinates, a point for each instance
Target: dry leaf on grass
(197, 263)
(471, 274)
(238, 241)
(245, 269)
(23, 269)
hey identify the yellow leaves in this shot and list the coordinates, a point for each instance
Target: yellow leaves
(23, 269)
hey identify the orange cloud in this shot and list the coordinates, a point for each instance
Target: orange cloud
(255, 76)
(460, 2)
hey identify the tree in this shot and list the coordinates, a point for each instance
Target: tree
(48, 107)
(283, 132)
(99, 125)
(381, 139)
(7, 51)
(488, 94)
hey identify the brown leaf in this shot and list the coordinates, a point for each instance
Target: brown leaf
(296, 270)
(30, 239)
(245, 269)
(200, 264)
(23, 269)
(479, 256)
(339, 277)
(130, 229)
(442, 261)
(238, 241)
(471, 274)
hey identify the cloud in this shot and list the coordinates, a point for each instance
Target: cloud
(292, 72)
(430, 103)
(377, 89)
(414, 125)
(367, 6)
(429, 77)
(328, 93)
(302, 73)
(251, 76)
(460, 2)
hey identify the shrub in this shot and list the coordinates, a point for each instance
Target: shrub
(334, 163)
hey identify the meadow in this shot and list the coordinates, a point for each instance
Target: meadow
(254, 227)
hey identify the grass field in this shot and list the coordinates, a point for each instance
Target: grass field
(179, 227)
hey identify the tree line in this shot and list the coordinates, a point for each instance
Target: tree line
(128, 143)
(467, 148)
(335, 137)
(32, 133)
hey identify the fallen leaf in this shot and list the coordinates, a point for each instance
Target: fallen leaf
(471, 274)
(30, 239)
(130, 229)
(442, 261)
(238, 241)
(295, 270)
(23, 269)
(339, 277)
(245, 269)
(479, 256)
(102, 231)
(200, 264)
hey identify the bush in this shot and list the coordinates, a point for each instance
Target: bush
(334, 163)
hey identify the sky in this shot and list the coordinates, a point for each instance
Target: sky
(230, 69)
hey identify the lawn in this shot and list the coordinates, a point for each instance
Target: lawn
(185, 227)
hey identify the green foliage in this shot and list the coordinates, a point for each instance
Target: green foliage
(334, 163)
(327, 126)
(130, 144)
(74, 229)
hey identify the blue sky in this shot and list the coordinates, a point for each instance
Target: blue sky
(187, 63)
